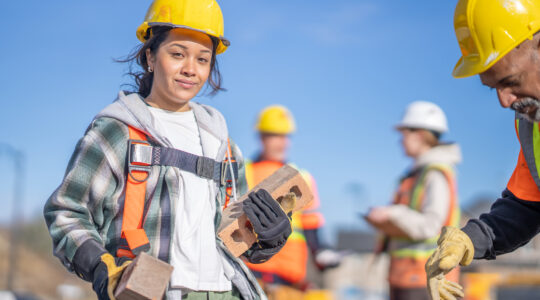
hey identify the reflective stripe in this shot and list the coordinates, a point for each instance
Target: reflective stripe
(401, 247)
(414, 253)
(249, 174)
(296, 236)
(529, 136)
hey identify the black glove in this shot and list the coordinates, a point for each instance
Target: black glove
(257, 255)
(271, 224)
(93, 263)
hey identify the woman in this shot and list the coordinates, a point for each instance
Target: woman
(154, 171)
(425, 201)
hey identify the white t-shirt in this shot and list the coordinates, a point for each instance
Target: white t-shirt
(197, 263)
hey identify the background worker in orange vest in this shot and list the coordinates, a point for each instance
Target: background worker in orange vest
(500, 41)
(288, 267)
(425, 201)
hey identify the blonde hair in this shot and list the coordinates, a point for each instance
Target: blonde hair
(429, 137)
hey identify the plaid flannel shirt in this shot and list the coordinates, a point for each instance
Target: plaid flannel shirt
(89, 202)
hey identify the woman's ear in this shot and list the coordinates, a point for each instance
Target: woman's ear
(150, 59)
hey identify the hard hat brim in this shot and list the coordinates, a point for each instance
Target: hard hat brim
(223, 42)
(470, 65)
(402, 126)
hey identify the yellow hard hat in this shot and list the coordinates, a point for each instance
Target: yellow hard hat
(200, 15)
(488, 29)
(275, 119)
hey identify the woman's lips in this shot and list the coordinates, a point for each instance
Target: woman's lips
(185, 83)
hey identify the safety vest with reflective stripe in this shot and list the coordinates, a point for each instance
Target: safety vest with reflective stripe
(525, 180)
(408, 256)
(291, 261)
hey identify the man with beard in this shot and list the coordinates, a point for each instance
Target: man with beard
(499, 40)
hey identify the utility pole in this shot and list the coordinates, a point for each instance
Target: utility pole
(18, 159)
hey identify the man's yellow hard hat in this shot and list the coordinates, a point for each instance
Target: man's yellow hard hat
(200, 15)
(275, 119)
(488, 29)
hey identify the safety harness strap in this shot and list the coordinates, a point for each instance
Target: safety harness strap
(141, 157)
(205, 167)
(132, 219)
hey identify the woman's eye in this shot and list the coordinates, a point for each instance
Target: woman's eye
(177, 54)
(203, 60)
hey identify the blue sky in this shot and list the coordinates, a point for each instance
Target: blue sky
(346, 69)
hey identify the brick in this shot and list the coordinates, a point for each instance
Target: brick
(235, 230)
(146, 278)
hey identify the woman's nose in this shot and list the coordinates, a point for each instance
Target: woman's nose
(188, 69)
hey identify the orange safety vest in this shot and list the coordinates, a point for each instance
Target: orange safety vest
(408, 257)
(291, 261)
(135, 197)
(525, 181)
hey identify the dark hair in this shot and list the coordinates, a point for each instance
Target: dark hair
(144, 79)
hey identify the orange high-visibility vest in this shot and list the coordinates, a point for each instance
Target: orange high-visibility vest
(525, 181)
(408, 257)
(291, 261)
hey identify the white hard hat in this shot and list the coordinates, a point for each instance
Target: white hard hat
(424, 115)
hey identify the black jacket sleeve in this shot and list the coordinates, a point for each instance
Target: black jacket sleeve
(510, 224)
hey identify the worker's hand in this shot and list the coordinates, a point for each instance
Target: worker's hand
(378, 215)
(454, 247)
(441, 288)
(271, 224)
(107, 274)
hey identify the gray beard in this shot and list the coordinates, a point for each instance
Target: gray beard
(528, 104)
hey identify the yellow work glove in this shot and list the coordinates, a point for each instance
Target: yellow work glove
(106, 276)
(454, 247)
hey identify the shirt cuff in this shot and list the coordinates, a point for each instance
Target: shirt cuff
(481, 239)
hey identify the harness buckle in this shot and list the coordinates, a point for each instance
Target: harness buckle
(205, 167)
(139, 158)
(225, 175)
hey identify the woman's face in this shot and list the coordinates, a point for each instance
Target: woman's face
(413, 142)
(181, 66)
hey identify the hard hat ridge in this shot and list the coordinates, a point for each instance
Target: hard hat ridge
(275, 119)
(424, 115)
(199, 15)
(487, 30)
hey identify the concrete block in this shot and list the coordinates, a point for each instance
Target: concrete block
(146, 278)
(235, 229)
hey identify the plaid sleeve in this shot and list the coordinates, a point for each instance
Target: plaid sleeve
(83, 206)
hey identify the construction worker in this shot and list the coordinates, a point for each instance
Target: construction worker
(499, 40)
(284, 276)
(425, 201)
(153, 169)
